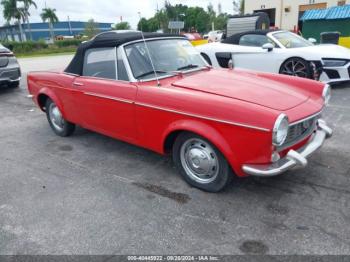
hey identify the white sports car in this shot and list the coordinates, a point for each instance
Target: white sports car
(280, 52)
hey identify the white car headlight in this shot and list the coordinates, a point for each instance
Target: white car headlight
(326, 94)
(334, 62)
(280, 130)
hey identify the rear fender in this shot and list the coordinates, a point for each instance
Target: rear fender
(49, 93)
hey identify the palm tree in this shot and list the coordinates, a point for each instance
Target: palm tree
(49, 14)
(11, 11)
(27, 5)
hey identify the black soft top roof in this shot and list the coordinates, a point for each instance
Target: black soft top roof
(234, 39)
(107, 39)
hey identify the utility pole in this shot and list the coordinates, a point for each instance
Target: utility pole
(70, 26)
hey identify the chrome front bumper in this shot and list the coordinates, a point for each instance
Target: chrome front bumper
(293, 158)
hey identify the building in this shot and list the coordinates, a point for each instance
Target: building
(333, 19)
(42, 31)
(286, 14)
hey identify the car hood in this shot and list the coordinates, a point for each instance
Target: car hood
(327, 51)
(246, 86)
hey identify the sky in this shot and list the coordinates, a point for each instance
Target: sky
(110, 11)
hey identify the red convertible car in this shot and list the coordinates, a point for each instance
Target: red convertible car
(157, 92)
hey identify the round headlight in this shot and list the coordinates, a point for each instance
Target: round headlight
(326, 94)
(280, 130)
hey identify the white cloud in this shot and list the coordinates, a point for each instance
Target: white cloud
(112, 10)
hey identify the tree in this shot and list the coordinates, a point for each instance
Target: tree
(27, 5)
(211, 14)
(143, 25)
(122, 26)
(49, 14)
(242, 7)
(91, 28)
(12, 11)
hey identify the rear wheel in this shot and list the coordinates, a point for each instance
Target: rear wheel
(296, 67)
(58, 124)
(200, 163)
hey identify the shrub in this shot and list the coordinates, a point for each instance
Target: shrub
(27, 46)
(68, 42)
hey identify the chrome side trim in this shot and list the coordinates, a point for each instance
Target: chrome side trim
(203, 117)
(110, 98)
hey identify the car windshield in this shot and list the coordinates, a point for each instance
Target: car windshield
(290, 40)
(168, 56)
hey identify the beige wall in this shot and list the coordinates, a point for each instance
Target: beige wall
(290, 19)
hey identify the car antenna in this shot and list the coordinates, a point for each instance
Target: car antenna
(148, 53)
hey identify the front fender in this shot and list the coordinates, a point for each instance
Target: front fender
(206, 131)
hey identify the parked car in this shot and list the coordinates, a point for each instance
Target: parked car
(281, 52)
(10, 72)
(159, 93)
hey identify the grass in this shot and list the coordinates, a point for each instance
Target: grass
(52, 51)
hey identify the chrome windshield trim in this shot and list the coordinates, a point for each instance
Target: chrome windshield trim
(203, 117)
(109, 97)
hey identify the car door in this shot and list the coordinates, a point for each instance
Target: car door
(253, 56)
(107, 97)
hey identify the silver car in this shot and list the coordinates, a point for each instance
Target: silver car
(10, 72)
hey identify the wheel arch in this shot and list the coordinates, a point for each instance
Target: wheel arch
(202, 129)
(45, 94)
(291, 57)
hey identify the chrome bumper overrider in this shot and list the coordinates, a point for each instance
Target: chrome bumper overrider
(293, 158)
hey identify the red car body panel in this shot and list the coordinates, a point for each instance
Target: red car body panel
(234, 109)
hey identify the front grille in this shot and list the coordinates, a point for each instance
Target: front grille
(297, 132)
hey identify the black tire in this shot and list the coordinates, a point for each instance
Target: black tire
(223, 171)
(14, 84)
(301, 68)
(66, 129)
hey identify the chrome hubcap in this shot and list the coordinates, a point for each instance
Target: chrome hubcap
(295, 68)
(56, 117)
(199, 160)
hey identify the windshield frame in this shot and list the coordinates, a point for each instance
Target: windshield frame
(273, 38)
(159, 77)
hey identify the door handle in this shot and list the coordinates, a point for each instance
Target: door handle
(78, 84)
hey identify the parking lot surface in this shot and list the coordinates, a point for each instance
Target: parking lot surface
(90, 194)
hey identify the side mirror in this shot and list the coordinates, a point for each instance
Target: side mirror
(268, 46)
(312, 40)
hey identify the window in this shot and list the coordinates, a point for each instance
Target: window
(253, 40)
(100, 62)
(291, 40)
(122, 73)
(168, 56)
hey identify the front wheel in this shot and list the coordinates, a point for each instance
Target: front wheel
(58, 124)
(296, 67)
(200, 163)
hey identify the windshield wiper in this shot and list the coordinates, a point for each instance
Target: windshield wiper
(190, 66)
(151, 72)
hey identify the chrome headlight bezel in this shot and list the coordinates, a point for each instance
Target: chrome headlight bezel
(280, 130)
(326, 94)
(334, 62)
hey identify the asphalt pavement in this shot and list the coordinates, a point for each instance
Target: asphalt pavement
(90, 194)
